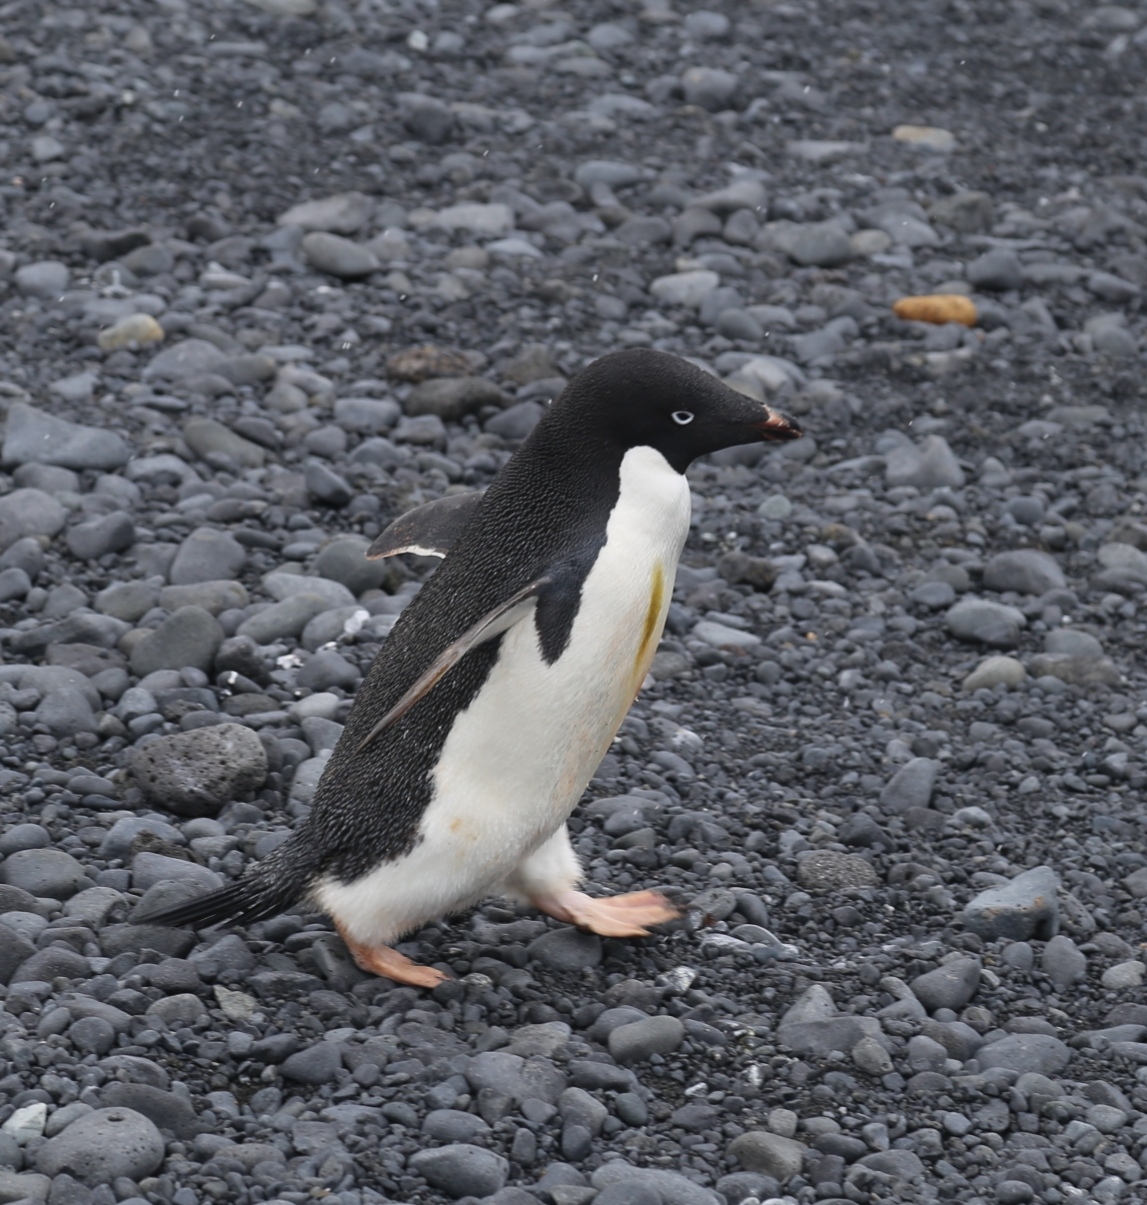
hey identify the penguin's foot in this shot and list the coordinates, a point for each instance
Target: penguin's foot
(382, 960)
(615, 916)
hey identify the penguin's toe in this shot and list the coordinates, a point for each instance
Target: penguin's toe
(615, 916)
(382, 960)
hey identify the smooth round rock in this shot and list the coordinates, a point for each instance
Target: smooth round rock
(189, 638)
(566, 949)
(461, 1170)
(206, 556)
(636, 1042)
(32, 435)
(44, 872)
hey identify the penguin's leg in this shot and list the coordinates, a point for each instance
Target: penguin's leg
(547, 877)
(382, 960)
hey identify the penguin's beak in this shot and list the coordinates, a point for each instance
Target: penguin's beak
(777, 427)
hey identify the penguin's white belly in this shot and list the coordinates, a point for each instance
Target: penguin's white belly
(518, 759)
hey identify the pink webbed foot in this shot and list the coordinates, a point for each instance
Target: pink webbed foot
(382, 960)
(615, 916)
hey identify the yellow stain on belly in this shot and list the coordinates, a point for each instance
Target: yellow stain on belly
(651, 630)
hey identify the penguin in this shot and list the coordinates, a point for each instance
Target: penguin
(504, 681)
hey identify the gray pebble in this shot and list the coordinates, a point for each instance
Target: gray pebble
(1063, 962)
(1024, 908)
(451, 398)
(636, 1042)
(832, 870)
(949, 986)
(1024, 571)
(566, 949)
(197, 773)
(66, 710)
(46, 278)
(460, 1169)
(366, 415)
(326, 669)
(344, 560)
(207, 438)
(50, 872)
(452, 1125)
(150, 869)
(1024, 1052)
(188, 638)
(930, 465)
(810, 244)
(998, 268)
(24, 836)
(103, 1145)
(288, 617)
(32, 435)
(315, 1065)
(911, 786)
(776, 1156)
(979, 621)
(517, 421)
(338, 256)
(98, 537)
(324, 484)
(28, 512)
(207, 555)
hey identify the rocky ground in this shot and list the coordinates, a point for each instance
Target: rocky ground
(891, 759)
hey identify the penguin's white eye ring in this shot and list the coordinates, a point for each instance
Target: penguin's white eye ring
(682, 417)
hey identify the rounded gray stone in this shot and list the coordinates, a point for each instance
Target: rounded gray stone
(566, 949)
(760, 1151)
(1026, 907)
(338, 256)
(207, 555)
(66, 710)
(31, 436)
(911, 786)
(195, 773)
(636, 1042)
(46, 278)
(999, 268)
(452, 1125)
(709, 87)
(288, 617)
(1024, 571)
(44, 872)
(97, 537)
(1025, 1052)
(949, 986)
(929, 466)
(344, 560)
(978, 621)
(28, 512)
(92, 1035)
(102, 1146)
(1063, 962)
(452, 398)
(317, 1064)
(461, 1170)
(189, 638)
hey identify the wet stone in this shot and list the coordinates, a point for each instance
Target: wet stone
(44, 872)
(950, 986)
(103, 1145)
(1024, 908)
(190, 637)
(461, 1169)
(196, 773)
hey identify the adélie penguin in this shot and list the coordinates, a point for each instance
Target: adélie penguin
(502, 684)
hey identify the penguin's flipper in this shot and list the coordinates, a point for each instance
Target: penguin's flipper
(429, 530)
(494, 623)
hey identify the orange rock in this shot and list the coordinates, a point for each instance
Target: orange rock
(938, 308)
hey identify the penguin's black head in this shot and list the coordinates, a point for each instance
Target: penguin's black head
(650, 398)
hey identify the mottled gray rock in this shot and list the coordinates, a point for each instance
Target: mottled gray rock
(761, 1151)
(150, 870)
(195, 773)
(1025, 1052)
(516, 1077)
(207, 555)
(1024, 571)
(999, 268)
(832, 870)
(343, 560)
(911, 786)
(810, 244)
(461, 1170)
(813, 1025)
(30, 435)
(637, 1041)
(97, 537)
(187, 358)
(206, 437)
(315, 1065)
(45, 278)
(669, 1188)
(28, 512)
(339, 256)
(566, 949)
(949, 986)
(930, 465)
(451, 398)
(516, 422)
(103, 1145)
(1026, 907)
(190, 636)
(50, 872)
(343, 213)
(283, 585)
(1063, 962)
(979, 621)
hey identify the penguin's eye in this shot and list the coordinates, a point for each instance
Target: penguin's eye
(682, 417)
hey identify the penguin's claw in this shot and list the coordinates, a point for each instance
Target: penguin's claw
(614, 916)
(382, 960)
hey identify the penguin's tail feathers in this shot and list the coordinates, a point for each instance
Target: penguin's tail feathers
(260, 894)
